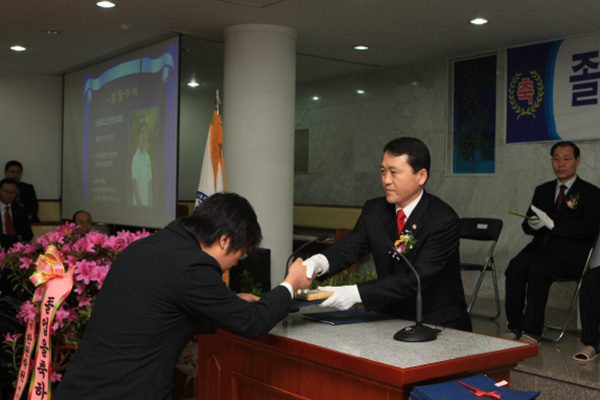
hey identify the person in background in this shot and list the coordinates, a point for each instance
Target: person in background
(141, 169)
(26, 196)
(15, 224)
(165, 288)
(405, 210)
(565, 218)
(83, 220)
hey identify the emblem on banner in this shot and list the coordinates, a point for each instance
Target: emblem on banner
(526, 93)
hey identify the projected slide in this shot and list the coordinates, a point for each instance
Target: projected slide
(128, 150)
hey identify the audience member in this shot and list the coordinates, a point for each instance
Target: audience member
(165, 288)
(26, 197)
(83, 220)
(15, 225)
(434, 225)
(565, 221)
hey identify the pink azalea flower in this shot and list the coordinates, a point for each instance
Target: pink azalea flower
(84, 301)
(84, 270)
(2, 256)
(55, 377)
(79, 287)
(25, 262)
(27, 312)
(12, 338)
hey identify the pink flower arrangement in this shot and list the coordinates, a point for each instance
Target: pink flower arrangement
(92, 255)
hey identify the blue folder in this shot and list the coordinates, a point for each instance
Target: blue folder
(453, 390)
(347, 317)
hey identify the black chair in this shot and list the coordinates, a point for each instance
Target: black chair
(482, 230)
(593, 260)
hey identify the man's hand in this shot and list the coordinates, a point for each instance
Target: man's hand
(249, 297)
(316, 265)
(544, 218)
(297, 276)
(343, 297)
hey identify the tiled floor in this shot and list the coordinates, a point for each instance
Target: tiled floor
(553, 361)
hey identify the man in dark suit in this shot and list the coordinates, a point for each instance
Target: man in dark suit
(165, 288)
(26, 196)
(15, 225)
(435, 227)
(566, 216)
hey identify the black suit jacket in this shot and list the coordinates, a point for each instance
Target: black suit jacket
(574, 228)
(21, 225)
(28, 200)
(158, 293)
(436, 227)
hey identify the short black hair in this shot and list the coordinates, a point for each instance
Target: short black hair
(576, 151)
(225, 214)
(13, 163)
(416, 151)
(8, 181)
(80, 211)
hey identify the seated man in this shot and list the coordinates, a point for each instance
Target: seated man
(26, 196)
(405, 210)
(15, 224)
(566, 219)
(83, 220)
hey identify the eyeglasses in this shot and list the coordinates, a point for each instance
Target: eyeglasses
(9, 191)
(243, 257)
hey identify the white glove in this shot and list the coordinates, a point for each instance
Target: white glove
(343, 297)
(316, 265)
(544, 218)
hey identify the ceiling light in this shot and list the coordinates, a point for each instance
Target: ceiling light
(193, 84)
(52, 31)
(105, 4)
(18, 48)
(315, 98)
(361, 47)
(360, 91)
(479, 21)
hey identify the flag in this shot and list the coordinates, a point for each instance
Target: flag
(212, 176)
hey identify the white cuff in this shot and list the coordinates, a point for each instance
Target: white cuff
(289, 288)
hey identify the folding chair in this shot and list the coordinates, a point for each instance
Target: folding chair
(593, 260)
(483, 230)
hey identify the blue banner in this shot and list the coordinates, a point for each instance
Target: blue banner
(552, 91)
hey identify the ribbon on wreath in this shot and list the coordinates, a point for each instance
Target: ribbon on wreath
(50, 279)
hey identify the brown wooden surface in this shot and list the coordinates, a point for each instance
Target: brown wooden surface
(275, 367)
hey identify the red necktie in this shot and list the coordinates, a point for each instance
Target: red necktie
(8, 224)
(561, 196)
(400, 220)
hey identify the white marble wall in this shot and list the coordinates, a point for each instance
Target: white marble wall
(348, 132)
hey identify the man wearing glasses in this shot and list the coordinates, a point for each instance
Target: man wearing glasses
(563, 219)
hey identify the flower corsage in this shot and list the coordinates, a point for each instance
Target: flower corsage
(572, 201)
(404, 244)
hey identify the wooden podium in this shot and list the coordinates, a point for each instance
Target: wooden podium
(302, 359)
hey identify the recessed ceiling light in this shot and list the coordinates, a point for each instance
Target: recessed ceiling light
(360, 91)
(105, 4)
(18, 48)
(479, 21)
(315, 98)
(52, 31)
(361, 47)
(193, 84)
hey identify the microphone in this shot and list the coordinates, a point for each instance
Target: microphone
(320, 238)
(417, 332)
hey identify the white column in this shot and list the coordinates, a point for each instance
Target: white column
(258, 121)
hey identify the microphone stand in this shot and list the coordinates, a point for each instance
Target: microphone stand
(320, 238)
(417, 332)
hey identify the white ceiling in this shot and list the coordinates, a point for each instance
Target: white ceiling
(398, 31)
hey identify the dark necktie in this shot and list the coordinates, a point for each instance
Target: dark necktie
(8, 223)
(400, 220)
(561, 196)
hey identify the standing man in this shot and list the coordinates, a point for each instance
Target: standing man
(15, 225)
(165, 288)
(566, 217)
(26, 197)
(406, 210)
